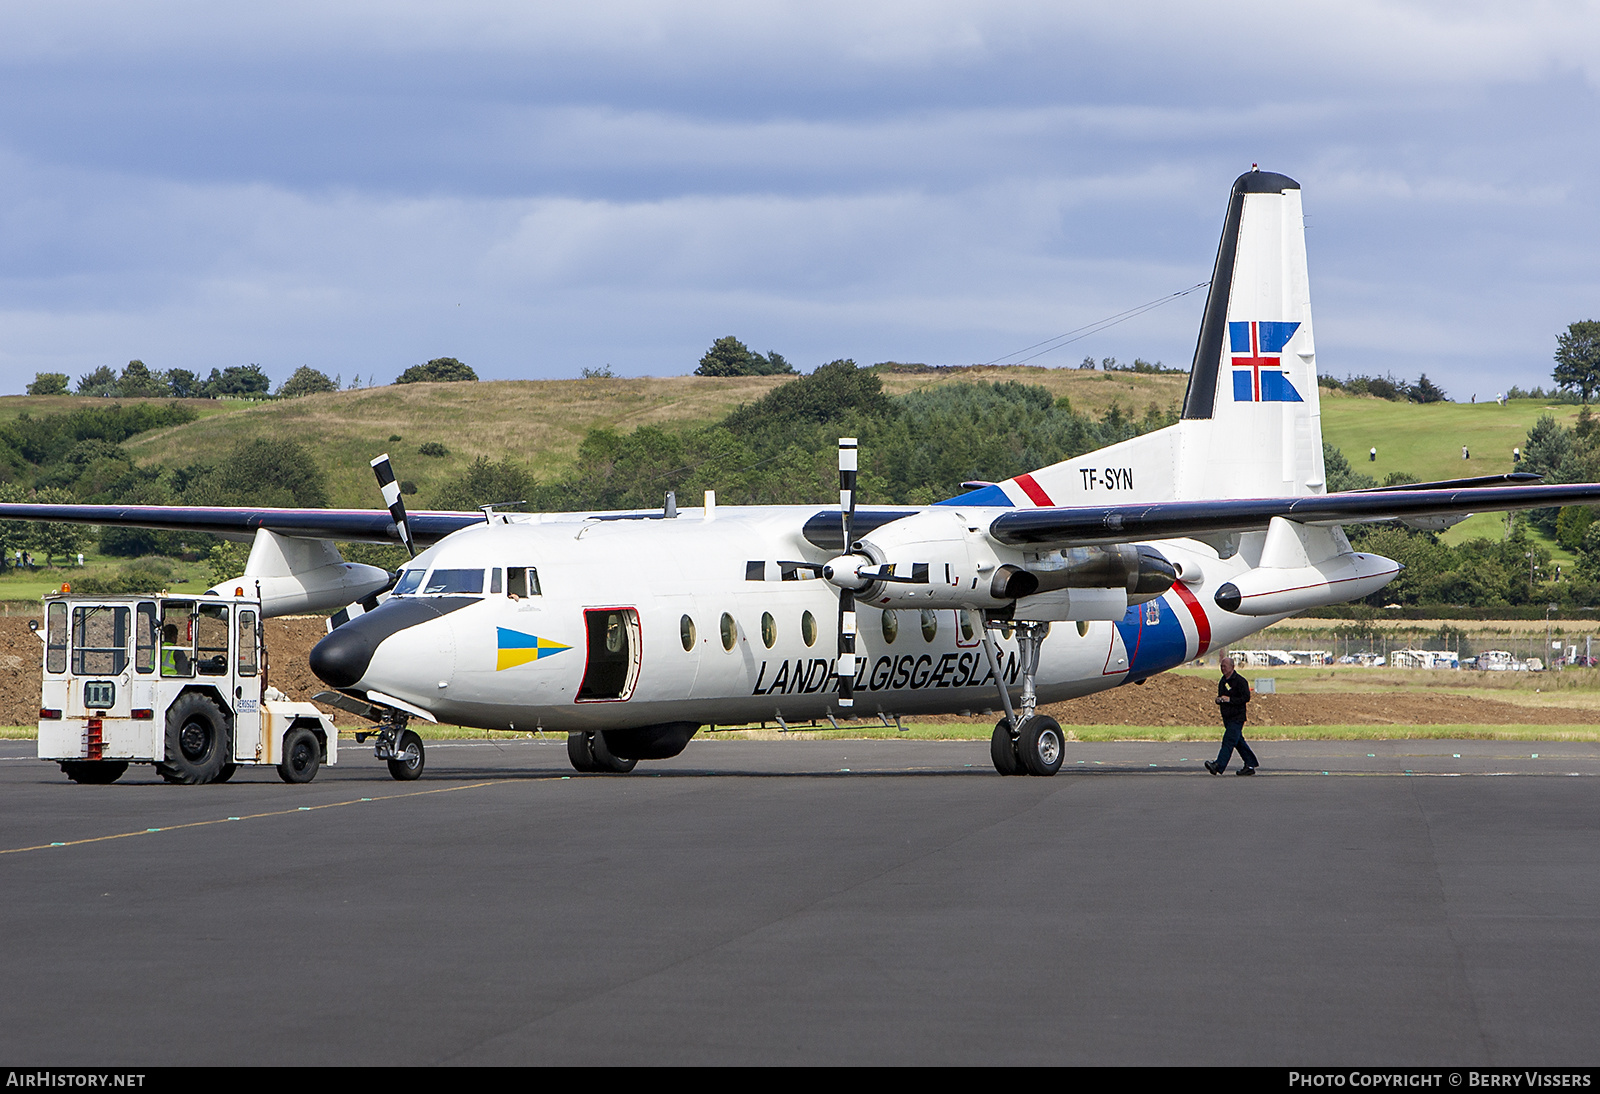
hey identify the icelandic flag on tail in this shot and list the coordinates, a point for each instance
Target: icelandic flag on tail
(1258, 364)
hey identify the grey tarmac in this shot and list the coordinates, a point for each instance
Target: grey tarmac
(841, 901)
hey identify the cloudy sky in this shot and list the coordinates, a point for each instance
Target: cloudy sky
(536, 189)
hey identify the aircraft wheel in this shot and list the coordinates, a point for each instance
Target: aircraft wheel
(1003, 751)
(196, 741)
(94, 772)
(1040, 746)
(412, 759)
(603, 758)
(302, 756)
(578, 753)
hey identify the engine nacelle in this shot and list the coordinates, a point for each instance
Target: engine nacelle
(1271, 590)
(303, 575)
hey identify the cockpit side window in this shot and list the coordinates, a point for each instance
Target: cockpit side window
(409, 580)
(522, 581)
(446, 582)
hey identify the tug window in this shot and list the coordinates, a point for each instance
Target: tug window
(891, 626)
(177, 638)
(808, 628)
(144, 638)
(211, 640)
(55, 638)
(446, 582)
(248, 640)
(99, 641)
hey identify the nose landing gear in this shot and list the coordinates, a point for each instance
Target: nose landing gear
(400, 747)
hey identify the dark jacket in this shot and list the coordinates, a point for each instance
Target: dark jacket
(1237, 693)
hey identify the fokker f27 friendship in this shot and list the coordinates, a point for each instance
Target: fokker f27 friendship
(630, 631)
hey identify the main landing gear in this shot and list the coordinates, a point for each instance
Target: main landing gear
(1024, 743)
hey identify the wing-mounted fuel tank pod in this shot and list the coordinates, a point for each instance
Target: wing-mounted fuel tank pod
(298, 575)
(1304, 567)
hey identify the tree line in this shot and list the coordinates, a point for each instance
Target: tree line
(139, 381)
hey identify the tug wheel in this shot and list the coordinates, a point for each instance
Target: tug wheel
(196, 741)
(94, 772)
(302, 756)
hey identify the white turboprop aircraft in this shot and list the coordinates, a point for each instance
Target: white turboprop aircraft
(631, 631)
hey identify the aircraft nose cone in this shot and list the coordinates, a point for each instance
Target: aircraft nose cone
(341, 659)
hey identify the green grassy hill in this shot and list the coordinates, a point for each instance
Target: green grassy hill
(540, 423)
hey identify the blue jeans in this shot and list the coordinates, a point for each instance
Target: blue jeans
(1232, 738)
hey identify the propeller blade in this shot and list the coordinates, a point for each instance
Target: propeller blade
(391, 498)
(846, 666)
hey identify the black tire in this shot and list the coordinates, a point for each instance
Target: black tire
(1003, 751)
(604, 760)
(94, 772)
(227, 772)
(579, 754)
(302, 756)
(412, 760)
(196, 741)
(1041, 745)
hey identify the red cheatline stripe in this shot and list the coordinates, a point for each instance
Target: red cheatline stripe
(1202, 625)
(1034, 491)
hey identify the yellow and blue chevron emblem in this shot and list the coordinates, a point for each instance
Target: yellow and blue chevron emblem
(517, 648)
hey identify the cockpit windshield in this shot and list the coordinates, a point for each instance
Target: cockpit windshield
(445, 582)
(409, 580)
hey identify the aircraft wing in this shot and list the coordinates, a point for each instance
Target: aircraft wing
(350, 525)
(1081, 526)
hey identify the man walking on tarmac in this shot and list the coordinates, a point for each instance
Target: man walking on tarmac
(1232, 694)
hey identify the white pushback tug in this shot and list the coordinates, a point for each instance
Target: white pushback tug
(175, 681)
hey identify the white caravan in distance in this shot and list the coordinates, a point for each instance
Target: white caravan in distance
(631, 631)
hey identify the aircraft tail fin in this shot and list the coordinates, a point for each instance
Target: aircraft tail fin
(1251, 423)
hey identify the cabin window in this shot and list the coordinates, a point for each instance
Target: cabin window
(930, 625)
(144, 638)
(769, 630)
(686, 633)
(1083, 628)
(99, 640)
(966, 625)
(730, 631)
(55, 638)
(248, 643)
(808, 628)
(522, 581)
(453, 582)
(891, 625)
(409, 580)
